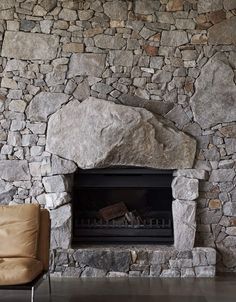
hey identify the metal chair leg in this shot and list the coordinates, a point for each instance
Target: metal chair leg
(49, 283)
(32, 294)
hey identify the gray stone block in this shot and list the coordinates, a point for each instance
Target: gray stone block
(39, 46)
(185, 188)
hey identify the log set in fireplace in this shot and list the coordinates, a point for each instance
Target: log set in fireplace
(122, 205)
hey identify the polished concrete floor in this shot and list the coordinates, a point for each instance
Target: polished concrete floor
(219, 289)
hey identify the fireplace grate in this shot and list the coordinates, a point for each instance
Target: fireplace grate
(122, 230)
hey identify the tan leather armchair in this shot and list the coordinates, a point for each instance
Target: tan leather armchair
(24, 247)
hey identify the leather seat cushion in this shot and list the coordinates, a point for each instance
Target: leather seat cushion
(19, 270)
(19, 228)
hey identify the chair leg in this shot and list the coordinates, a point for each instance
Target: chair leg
(32, 294)
(49, 283)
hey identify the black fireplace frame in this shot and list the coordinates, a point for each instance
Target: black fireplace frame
(124, 178)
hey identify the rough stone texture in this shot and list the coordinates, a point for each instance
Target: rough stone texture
(57, 183)
(86, 64)
(223, 32)
(108, 42)
(174, 38)
(147, 7)
(14, 170)
(28, 46)
(221, 175)
(214, 86)
(62, 166)
(44, 104)
(185, 188)
(61, 227)
(6, 4)
(229, 4)
(184, 213)
(114, 132)
(48, 5)
(116, 10)
(209, 5)
(55, 200)
(7, 191)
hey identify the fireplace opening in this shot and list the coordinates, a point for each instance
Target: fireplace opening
(122, 205)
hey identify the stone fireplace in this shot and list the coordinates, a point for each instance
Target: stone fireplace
(122, 84)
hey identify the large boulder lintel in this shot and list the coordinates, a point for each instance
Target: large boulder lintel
(101, 134)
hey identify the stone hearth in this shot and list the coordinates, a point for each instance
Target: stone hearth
(164, 74)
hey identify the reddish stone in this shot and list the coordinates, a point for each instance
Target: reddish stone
(214, 204)
(151, 50)
(175, 5)
(232, 222)
(229, 131)
(188, 86)
(2, 97)
(156, 37)
(216, 17)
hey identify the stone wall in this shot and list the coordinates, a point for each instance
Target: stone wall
(175, 58)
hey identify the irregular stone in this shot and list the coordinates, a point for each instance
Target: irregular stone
(109, 42)
(146, 33)
(72, 272)
(86, 64)
(6, 4)
(44, 104)
(116, 10)
(91, 32)
(228, 131)
(209, 5)
(15, 65)
(17, 105)
(121, 58)
(104, 259)
(205, 271)
(174, 38)
(46, 26)
(187, 273)
(215, 85)
(229, 209)
(48, 5)
(214, 204)
(55, 200)
(175, 5)
(230, 145)
(61, 227)
(180, 263)
(156, 62)
(216, 17)
(147, 7)
(7, 14)
(9, 83)
(170, 273)
(221, 175)
(185, 188)
(85, 14)
(223, 32)
(192, 173)
(14, 139)
(57, 183)
(7, 191)
(178, 116)
(229, 4)
(35, 169)
(117, 128)
(162, 76)
(62, 166)
(30, 46)
(117, 275)
(184, 219)
(68, 14)
(14, 170)
(93, 272)
(73, 47)
(82, 91)
(155, 270)
(150, 50)
(27, 25)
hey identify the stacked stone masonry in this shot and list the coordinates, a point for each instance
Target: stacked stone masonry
(175, 58)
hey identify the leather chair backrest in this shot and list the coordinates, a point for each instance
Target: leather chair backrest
(19, 229)
(44, 238)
